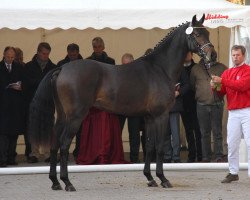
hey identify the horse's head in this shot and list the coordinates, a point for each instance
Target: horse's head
(198, 41)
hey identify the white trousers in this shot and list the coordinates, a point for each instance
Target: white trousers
(238, 124)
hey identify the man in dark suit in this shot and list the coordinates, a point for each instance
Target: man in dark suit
(35, 70)
(11, 106)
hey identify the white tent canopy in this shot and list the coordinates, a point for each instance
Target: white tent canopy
(82, 15)
(115, 14)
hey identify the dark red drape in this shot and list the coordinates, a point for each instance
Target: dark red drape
(101, 141)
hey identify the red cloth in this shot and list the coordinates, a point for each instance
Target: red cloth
(101, 141)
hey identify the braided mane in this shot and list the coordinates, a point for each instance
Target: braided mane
(165, 39)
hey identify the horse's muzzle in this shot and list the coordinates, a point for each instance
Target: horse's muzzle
(211, 55)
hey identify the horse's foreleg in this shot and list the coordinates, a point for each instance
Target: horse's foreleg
(159, 170)
(52, 174)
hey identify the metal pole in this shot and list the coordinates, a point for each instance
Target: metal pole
(119, 167)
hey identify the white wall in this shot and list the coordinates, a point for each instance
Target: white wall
(117, 43)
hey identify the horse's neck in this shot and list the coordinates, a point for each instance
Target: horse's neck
(170, 58)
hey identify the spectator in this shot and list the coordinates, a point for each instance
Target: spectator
(209, 109)
(101, 141)
(235, 84)
(19, 56)
(11, 106)
(134, 125)
(172, 142)
(35, 70)
(73, 53)
(189, 117)
(19, 60)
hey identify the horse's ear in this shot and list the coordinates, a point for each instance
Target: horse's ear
(194, 20)
(202, 19)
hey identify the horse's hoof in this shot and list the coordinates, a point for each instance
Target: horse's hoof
(70, 188)
(166, 184)
(152, 184)
(56, 187)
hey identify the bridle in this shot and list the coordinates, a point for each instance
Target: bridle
(201, 52)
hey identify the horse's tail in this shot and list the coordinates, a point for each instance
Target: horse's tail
(42, 111)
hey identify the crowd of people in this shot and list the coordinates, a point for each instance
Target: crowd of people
(199, 103)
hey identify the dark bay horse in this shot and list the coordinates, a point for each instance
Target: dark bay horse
(144, 87)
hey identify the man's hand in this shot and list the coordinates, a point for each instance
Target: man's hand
(177, 93)
(215, 82)
(216, 79)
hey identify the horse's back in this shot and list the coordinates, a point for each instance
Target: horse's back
(132, 89)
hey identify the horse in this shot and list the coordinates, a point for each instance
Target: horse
(144, 87)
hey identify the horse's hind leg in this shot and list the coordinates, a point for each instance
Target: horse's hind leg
(150, 145)
(147, 171)
(159, 169)
(53, 155)
(52, 174)
(70, 129)
(161, 126)
(64, 169)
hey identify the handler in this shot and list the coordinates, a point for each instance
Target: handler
(235, 83)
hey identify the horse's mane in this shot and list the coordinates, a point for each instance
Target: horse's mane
(165, 40)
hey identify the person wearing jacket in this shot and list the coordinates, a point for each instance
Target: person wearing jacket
(172, 141)
(235, 84)
(73, 53)
(11, 106)
(210, 108)
(34, 72)
(189, 117)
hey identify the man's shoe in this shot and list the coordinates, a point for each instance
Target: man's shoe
(177, 161)
(12, 162)
(32, 159)
(205, 161)
(230, 177)
(3, 164)
(167, 160)
(225, 158)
